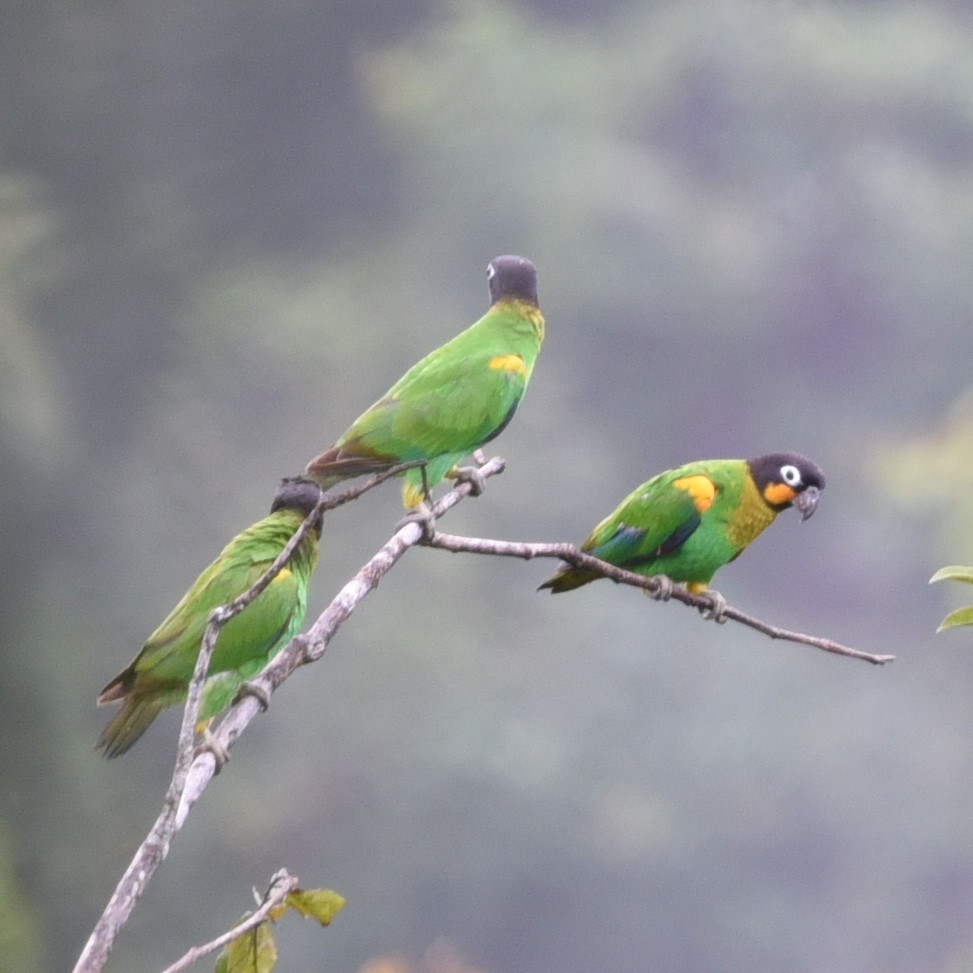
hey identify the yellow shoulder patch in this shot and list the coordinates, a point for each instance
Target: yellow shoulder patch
(508, 363)
(282, 574)
(701, 488)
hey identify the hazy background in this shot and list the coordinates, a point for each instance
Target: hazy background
(227, 226)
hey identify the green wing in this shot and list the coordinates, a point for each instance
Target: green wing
(650, 523)
(160, 673)
(672, 524)
(457, 398)
(169, 655)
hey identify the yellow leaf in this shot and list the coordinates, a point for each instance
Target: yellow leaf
(320, 904)
(955, 572)
(253, 952)
(962, 616)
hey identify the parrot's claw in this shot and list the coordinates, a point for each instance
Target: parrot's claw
(663, 589)
(256, 691)
(211, 745)
(424, 517)
(716, 610)
(470, 475)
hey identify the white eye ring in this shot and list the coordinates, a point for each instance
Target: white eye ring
(491, 271)
(790, 474)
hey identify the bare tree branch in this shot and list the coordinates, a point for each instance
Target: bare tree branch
(193, 771)
(572, 555)
(281, 885)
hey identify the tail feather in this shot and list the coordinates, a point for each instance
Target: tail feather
(569, 578)
(129, 723)
(334, 465)
(119, 688)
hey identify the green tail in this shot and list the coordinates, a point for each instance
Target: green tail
(567, 579)
(129, 723)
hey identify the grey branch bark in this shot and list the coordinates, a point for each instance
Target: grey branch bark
(572, 555)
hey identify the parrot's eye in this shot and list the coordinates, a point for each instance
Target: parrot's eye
(790, 475)
(491, 271)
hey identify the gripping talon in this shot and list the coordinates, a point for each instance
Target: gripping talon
(663, 589)
(209, 744)
(716, 610)
(256, 691)
(470, 475)
(424, 517)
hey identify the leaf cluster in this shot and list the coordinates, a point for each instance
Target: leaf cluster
(960, 616)
(255, 950)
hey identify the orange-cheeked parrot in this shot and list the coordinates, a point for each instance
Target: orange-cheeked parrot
(688, 522)
(457, 398)
(159, 675)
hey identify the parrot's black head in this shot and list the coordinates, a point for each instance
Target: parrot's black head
(296, 493)
(512, 277)
(788, 478)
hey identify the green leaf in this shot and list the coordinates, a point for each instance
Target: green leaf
(962, 616)
(253, 952)
(320, 904)
(955, 572)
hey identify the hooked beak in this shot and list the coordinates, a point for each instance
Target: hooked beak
(807, 501)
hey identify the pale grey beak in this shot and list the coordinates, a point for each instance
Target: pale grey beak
(807, 501)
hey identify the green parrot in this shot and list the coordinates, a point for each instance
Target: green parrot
(457, 398)
(688, 522)
(159, 675)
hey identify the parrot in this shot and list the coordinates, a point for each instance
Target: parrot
(456, 399)
(160, 674)
(686, 523)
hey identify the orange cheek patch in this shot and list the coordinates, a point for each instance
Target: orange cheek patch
(508, 363)
(777, 494)
(701, 488)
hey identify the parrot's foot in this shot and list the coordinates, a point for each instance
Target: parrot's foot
(716, 610)
(663, 589)
(470, 475)
(211, 745)
(256, 691)
(424, 517)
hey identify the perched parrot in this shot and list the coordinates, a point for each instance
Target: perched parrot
(457, 398)
(688, 522)
(159, 675)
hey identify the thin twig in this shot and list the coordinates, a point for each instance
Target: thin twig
(193, 771)
(572, 555)
(281, 885)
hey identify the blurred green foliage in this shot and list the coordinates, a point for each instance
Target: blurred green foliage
(226, 228)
